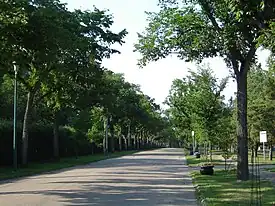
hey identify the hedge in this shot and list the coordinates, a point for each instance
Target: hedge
(71, 143)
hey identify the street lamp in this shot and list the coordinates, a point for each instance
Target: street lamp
(193, 137)
(15, 68)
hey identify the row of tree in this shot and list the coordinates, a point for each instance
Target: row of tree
(261, 104)
(61, 80)
(197, 104)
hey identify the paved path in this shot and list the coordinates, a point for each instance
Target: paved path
(147, 178)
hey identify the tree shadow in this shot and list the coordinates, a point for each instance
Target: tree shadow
(144, 181)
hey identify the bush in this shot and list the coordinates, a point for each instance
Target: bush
(71, 142)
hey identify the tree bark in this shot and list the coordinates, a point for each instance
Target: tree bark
(112, 131)
(271, 152)
(138, 142)
(135, 141)
(129, 137)
(120, 141)
(125, 142)
(25, 132)
(242, 148)
(56, 137)
(106, 145)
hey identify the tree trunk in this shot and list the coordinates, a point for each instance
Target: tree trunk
(56, 137)
(138, 142)
(104, 143)
(210, 151)
(135, 141)
(125, 142)
(112, 131)
(120, 141)
(256, 149)
(25, 132)
(242, 160)
(129, 137)
(271, 152)
(106, 137)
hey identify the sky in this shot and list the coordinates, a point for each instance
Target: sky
(156, 78)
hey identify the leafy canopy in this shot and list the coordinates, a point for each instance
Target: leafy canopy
(197, 29)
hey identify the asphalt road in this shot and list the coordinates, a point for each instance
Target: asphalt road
(150, 178)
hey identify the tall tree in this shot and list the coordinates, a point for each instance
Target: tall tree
(197, 104)
(197, 29)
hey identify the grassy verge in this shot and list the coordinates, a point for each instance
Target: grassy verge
(193, 161)
(37, 168)
(222, 189)
(271, 169)
(263, 161)
(217, 159)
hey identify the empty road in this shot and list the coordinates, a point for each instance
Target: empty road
(149, 178)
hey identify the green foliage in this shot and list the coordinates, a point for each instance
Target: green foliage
(59, 54)
(261, 102)
(196, 103)
(198, 29)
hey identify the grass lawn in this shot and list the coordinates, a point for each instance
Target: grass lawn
(271, 169)
(262, 160)
(217, 159)
(222, 189)
(37, 168)
(193, 161)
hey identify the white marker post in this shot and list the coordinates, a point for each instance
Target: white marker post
(193, 136)
(263, 139)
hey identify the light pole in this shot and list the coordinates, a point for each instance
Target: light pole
(106, 136)
(193, 134)
(14, 117)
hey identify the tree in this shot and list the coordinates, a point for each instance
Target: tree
(257, 79)
(198, 29)
(196, 104)
(270, 102)
(65, 43)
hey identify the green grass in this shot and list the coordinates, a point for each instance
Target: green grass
(222, 189)
(217, 159)
(193, 161)
(38, 168)
(271, 169)
(262, 160)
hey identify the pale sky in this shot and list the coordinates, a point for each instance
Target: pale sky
(156, 78)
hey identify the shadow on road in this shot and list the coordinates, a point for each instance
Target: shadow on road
(144, 179)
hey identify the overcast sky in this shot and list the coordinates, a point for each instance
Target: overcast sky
(155, 79)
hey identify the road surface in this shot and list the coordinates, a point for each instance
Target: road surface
(149, 178)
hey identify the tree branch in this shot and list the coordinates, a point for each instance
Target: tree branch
(207, 8)
(246, 63)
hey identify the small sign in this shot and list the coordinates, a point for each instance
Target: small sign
(263, 137)
(193, 133)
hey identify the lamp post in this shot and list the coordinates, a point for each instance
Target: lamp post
(193, 137)
(106, 136)
(14, 117)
